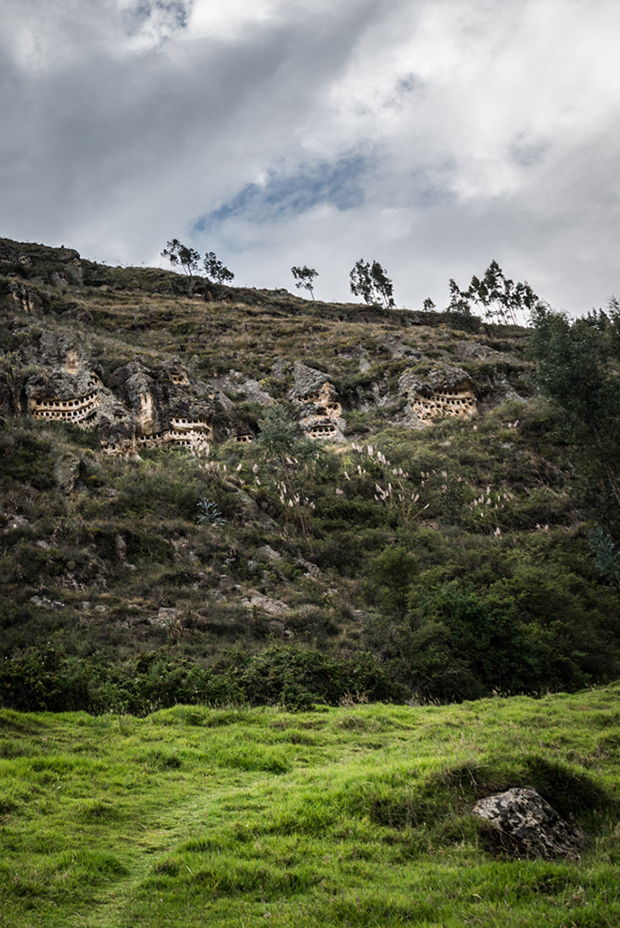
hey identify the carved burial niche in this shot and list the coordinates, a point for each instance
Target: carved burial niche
(444, 402)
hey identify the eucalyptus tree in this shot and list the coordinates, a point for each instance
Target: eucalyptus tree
(499, 296)
(188, 258)
(215, 270)
(578, 368)
(304, 278)
(370, 281)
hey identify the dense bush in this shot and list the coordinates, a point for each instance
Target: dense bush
(47, 679)
(27, 459)
(532, 628)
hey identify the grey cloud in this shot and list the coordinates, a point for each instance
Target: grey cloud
(527, 153)
(314, 132)
(88, 131)
(164, 16)
(405, 86)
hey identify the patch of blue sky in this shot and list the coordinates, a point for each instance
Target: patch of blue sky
(282, 196)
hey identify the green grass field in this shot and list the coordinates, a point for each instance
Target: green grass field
(355, 816)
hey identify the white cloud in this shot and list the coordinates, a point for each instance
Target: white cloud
(430, 135)
(226, 20)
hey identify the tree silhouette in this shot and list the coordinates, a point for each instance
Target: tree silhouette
(371, 282)
(187, 257)
(304, 277)
(501, 298)
(215, 270)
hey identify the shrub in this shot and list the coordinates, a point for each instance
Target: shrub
(48, 679)
(391, 574)
(25, 459)
(297, 678)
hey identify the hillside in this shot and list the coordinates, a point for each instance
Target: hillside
(247, 496)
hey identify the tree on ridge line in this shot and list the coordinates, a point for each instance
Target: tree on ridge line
(304, 277)
(189, 259)
(370, 281)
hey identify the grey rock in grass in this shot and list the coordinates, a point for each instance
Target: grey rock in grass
(166, 617)
(399, 349)
(444, 377)
(268, 551)
(527, 826)
(256, 600)
(70, 473)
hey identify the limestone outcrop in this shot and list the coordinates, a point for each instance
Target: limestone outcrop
(164, 407)
(444, 392)
(320, 413)
(237, 383)
(53, 378)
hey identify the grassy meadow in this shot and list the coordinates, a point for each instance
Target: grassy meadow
(357, 815)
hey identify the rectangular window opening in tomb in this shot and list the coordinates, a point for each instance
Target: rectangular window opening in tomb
(322, 431)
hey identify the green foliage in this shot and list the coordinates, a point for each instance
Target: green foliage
(485, 633)
(26, 459)
(280, 435)
(42, 679)
(215, 270)
(208, 513)
(498, 621)
(577, 368)
(391, 574)
(298, 678)
(48, 679)
(371, 282)
(606, 558)
(304, 278)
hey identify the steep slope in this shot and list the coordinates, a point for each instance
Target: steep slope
(423, 532)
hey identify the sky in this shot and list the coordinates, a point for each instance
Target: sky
(430, 135)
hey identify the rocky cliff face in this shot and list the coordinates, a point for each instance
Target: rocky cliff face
(49, 372)
(52, 377)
